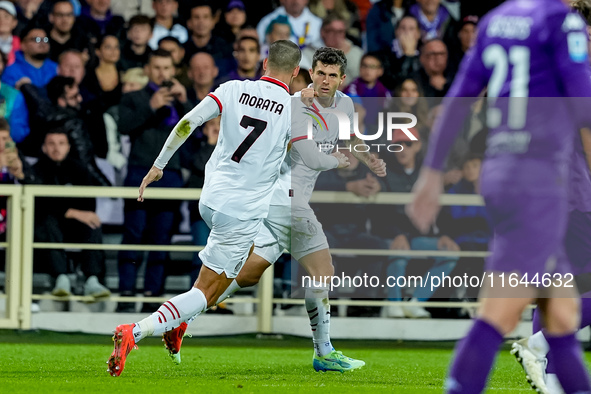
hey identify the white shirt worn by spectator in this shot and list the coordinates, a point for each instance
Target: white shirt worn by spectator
(178, 31)
(306, 27)
(129, 8)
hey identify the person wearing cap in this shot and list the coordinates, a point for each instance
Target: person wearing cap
(233, 20)
(392, 224)
(9, 43)
(165, 23)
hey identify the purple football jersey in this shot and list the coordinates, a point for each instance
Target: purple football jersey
(532, 55)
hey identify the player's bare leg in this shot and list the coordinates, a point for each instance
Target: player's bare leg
(249, 275)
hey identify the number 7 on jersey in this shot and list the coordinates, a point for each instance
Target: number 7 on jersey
(258, 127)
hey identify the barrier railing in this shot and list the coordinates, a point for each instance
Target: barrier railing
(20, 246)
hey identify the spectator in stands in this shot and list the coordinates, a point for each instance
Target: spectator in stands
(29, 12)
(343, 9)
(165, 23)
(177, 51)
(305, 25)
(468, 226)
(301, 81)
(13, 108)
(98, 21)
(148, 116)
(373, 94)
(199, 151)
(11, 165)
(433, 75)
(232, 21)
(409, 98)
(465, 39)
(278, 29)
(203, 72)
(32, 64)
(60, 220)
(9, 43)
(103, 82)
(86, 129)
(434, 19)
(383, 17)
(65, 34)
(201, 24)
(135, 51)
(403, 59)
(248, 58)
(133, 80)
(332, 35)
(127, 9)
(248, 31)
(393, 224)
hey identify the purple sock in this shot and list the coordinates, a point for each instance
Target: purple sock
(586, 310)
(567, 357)
(474, 358)
(585, 321)
(537, 321)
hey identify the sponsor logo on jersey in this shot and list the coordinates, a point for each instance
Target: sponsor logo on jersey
(510, 27)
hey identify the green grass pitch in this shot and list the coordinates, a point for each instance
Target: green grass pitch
(59, 363)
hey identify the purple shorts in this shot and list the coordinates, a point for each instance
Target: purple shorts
(577, 242)
(528, 232)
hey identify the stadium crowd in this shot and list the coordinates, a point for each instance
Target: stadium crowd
(90, 90)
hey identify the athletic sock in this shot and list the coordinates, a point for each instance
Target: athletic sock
(171, 314)
(233, 288)
(474, 358)
(318, 309)
(567, 359)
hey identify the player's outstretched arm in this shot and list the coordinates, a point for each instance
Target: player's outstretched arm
(377, 166)
(206, 110)
(154, 175)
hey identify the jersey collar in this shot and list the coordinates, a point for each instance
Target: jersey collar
(276, 82)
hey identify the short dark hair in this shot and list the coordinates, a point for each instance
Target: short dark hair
(330, 57)
(170, 39)
(472, 156)
(28, 28)
(248, 38)
(202, 4)
(141, 19)
(583, 7)
(4, 125)
(159, 52)
(101, 40)
(405, 17)
(56, 88)
(284, 56)
(60, 1)
(374, 56)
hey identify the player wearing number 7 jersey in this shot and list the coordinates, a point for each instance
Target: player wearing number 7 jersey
(526, 49)
(239, 180)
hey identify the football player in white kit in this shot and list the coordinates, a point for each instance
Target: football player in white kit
(239, 181)
(291, 223)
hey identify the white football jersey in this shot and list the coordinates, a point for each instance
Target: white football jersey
(325, 132)
(254, 132)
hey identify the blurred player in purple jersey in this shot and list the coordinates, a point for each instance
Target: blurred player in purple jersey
(532, 352)
(525, 50)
